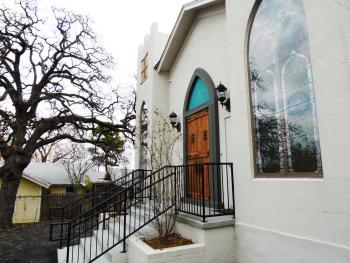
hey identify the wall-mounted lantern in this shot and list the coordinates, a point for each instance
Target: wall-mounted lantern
(223, 97)
(174, 121)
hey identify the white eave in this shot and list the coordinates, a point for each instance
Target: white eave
(180, 31)
(37, 181)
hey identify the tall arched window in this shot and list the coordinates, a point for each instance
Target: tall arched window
(282, 93)
(143, 135)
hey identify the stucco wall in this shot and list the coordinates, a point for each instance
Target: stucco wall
(252, 245)
(218, 241)
(153, 91)
(303, 216)
(205, 47)
(315, 209)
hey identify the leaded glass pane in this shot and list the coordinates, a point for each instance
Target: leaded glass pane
(265, 111)
(300, 116)
(282, 93)
(199, 94)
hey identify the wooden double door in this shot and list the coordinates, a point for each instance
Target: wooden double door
(198, 151)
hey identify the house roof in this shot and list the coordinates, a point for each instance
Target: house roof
(180, 31)
(48, 174)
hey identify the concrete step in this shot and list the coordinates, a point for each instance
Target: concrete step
(107, 239)
(136, 219)
(92, 247)
(75, 255)
(102, 239)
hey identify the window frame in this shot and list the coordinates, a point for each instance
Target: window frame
(257, 174)
(144, 68)
(69, 189)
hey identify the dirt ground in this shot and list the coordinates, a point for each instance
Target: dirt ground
(27, 244)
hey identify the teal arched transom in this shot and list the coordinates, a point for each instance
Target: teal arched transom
(199, 95)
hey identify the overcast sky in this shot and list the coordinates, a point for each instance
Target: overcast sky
(122, 26)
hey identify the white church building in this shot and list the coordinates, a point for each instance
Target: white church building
(264, 85)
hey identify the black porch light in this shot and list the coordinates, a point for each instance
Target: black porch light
(174, 121)
(222, 95)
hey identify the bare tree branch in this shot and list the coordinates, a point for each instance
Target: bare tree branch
(53, 86)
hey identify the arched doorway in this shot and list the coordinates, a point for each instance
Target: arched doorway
(201, 130)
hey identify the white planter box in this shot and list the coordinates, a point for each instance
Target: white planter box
(139, 252)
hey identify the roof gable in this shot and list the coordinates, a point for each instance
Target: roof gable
(180, 30)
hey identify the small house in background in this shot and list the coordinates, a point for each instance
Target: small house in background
(45, 185)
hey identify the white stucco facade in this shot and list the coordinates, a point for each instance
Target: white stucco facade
(276, 218)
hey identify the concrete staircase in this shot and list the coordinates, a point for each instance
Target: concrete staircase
(90, 247)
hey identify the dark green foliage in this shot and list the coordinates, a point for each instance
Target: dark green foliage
(108, 148)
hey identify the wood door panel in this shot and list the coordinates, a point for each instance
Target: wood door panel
(196, 175)
(198, 151)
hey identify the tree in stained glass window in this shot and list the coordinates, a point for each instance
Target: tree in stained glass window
(199, 94)
(282, 93)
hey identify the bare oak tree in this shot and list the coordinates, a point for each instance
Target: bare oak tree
(53, 152)
(77, 165)
(52, 87)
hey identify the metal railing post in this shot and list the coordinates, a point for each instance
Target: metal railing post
(132, 179)
(233, 192)
(104, 213)
(142, 185)
(68, 242)
(175, 186)
(150, 189)
(104, 221)
(201, 167)
(61, 230)
(124, 229)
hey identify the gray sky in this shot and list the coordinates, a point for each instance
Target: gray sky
(122, 25)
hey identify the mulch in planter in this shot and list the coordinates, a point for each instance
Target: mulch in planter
(175, 240)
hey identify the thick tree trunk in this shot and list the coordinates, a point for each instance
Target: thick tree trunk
(8, 191)
(107, 174)
(10, 174)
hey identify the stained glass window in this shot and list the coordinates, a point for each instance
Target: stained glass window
(282, 92)
(199, 94)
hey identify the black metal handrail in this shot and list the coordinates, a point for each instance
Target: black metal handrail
(93, 202)
(122, 205)
(66, 211)
(202, 189)
(205, 189)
